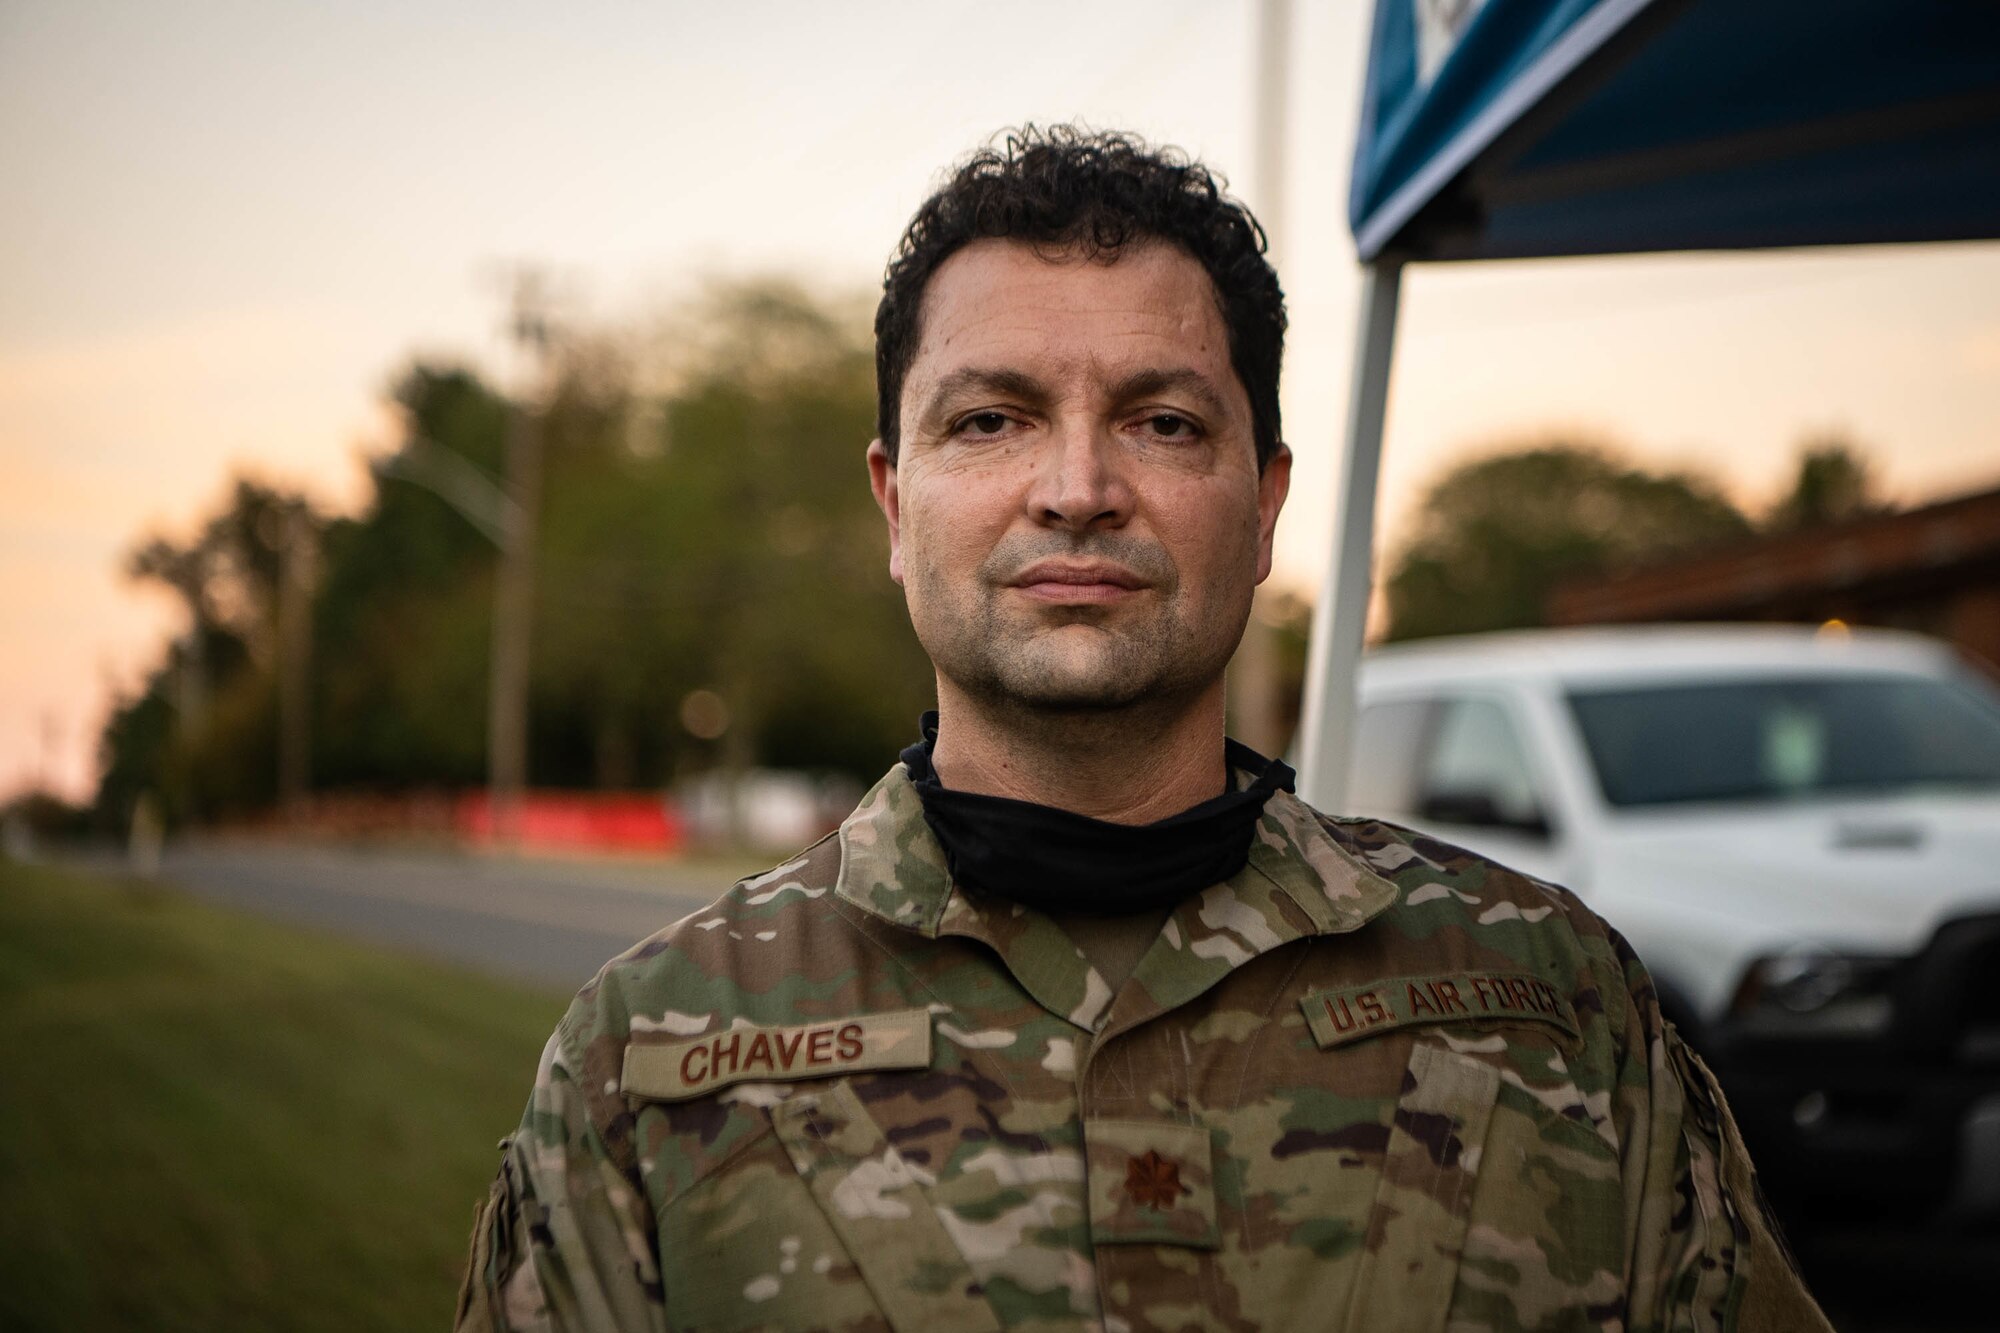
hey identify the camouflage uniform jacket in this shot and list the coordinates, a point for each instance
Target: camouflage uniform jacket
(1371, 1082)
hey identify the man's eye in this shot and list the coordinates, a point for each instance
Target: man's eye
(983, 423)
(1169, 426)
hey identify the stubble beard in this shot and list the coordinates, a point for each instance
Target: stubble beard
(1077, 666)
(1074, 665)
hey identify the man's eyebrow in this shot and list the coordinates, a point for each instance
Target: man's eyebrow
(1146, 383)
(972, 380)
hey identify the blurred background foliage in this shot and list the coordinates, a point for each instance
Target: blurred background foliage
(704, 525)
(705, 534)
(1494, 536)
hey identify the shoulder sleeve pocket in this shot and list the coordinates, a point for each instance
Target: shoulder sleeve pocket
(475, 1306)
(1769, 1293)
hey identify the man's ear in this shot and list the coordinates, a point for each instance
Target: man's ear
(882, 481)
(1274, 483)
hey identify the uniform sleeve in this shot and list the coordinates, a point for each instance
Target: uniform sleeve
(564, 1242)
(1705, 1253)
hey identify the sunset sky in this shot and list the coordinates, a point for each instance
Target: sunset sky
(228, 224)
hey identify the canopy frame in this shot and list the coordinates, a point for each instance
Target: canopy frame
(1341, 618)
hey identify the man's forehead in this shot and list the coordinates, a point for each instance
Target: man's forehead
(1068, 313)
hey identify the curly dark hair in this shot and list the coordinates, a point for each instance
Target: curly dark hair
(1077, 191)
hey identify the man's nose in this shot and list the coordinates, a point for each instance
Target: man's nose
(1080, 480)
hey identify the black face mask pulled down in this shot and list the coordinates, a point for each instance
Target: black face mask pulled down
(1056, 861)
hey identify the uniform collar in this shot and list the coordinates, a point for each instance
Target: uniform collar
(1299, 881)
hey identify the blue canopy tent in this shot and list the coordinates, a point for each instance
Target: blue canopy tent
(1499, 129)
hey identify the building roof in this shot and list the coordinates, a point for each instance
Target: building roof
(1892, 554)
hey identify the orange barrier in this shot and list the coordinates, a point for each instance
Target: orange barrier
(579, 821)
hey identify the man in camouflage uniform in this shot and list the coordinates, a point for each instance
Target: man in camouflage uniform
(1357, 1080)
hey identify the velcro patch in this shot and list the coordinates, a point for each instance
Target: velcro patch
(677, 1071)
(1337, 1017)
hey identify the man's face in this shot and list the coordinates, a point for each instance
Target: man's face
(1076, 514)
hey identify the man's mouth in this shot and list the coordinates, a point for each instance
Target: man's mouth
(1077, 582)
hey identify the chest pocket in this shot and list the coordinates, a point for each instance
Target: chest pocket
(1416, 1229)
(817, 1224)
(1493, 1208)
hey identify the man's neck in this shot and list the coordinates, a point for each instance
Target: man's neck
(1124, 767)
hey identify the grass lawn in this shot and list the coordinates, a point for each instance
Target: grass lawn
(211, 1122)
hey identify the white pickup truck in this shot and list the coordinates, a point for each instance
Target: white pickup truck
(1798, 830)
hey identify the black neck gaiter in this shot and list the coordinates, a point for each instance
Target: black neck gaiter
(1056, 861)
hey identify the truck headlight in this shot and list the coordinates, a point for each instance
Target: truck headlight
(1817, 993)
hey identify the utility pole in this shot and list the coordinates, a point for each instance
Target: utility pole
(1256, 710)
(1273, 93)
(45, 762)
(297, 562)
(191, 680)
(514, 580)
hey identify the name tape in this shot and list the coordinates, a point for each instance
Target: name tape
(677, 1071)
(1337, 1017)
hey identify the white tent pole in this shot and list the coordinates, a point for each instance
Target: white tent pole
(1342, 614)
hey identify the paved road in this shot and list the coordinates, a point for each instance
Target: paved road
(546, 922)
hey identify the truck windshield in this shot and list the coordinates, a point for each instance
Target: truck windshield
(1782, 738)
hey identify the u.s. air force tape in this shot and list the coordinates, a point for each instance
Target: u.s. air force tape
(676, 1071)
(1351, 1013)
